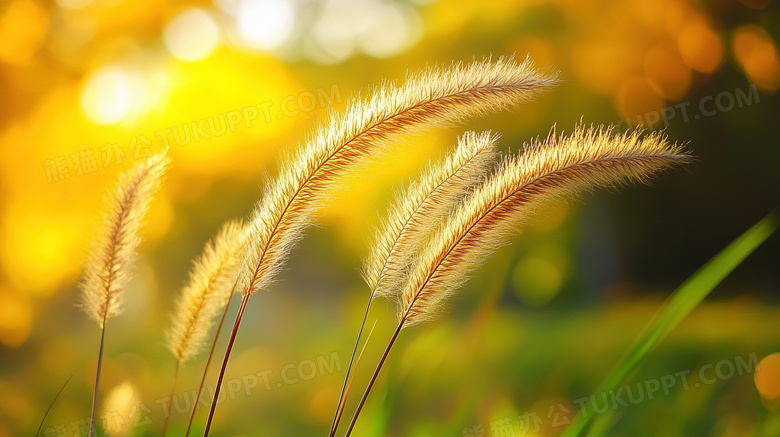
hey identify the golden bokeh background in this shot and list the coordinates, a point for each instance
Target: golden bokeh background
(90, 86)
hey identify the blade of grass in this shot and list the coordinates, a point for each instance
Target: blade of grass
(196, 401)
(771, 425)
(682, 301)
(474, 331)
(348, 385)
(381, 419)
(603, 423)
(52, 404)
(466, 406)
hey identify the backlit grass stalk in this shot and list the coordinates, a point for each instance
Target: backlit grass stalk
(415, 212)
(109, 267)
(169, 402)
(210, 286)
(434, 97)
(348, 383)
(560, 165)
(208, 363)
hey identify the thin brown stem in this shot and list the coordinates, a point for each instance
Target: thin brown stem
(97, 378)
(196, 401)
(52, 405)
(170, 399)
(236, 324)
(375, 375)
(343, 403)
(337, 417)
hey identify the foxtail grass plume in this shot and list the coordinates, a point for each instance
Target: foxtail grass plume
(436, 96)
(418, 209)
(559, 165)
(433, 97)
(109, 267)
(208, 290)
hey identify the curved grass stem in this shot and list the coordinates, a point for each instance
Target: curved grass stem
(348, 386)
(97, 379)
(236, 324)
(43, 419)
(170, 399)
(339, 408)
(374, 377)
(196, 400)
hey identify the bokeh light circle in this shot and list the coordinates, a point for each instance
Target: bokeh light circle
(192, 35)
(265, 24)
(111, 95)
(767, 377)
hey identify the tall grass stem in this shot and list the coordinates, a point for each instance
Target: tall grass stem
(236, 324)
(208, 364)
(97, 380)
(337, 416)
(170, 399)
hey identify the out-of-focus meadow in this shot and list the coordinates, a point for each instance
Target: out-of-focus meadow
(90, 86)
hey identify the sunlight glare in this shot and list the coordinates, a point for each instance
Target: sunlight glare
(192, 35)
(265, 24)
(112, 95)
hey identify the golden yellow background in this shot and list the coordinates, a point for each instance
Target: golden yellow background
(89, 86)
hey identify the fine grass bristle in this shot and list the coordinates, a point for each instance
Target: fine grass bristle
(418, 209)
(559, 165)
(415, 212)
(436, 96)
(477, 226)
(207, 291)
(109, 267)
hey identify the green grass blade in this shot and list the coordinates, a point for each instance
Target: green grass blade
(603, 423)
(51, 405)
(682, 301)
(381, 419)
